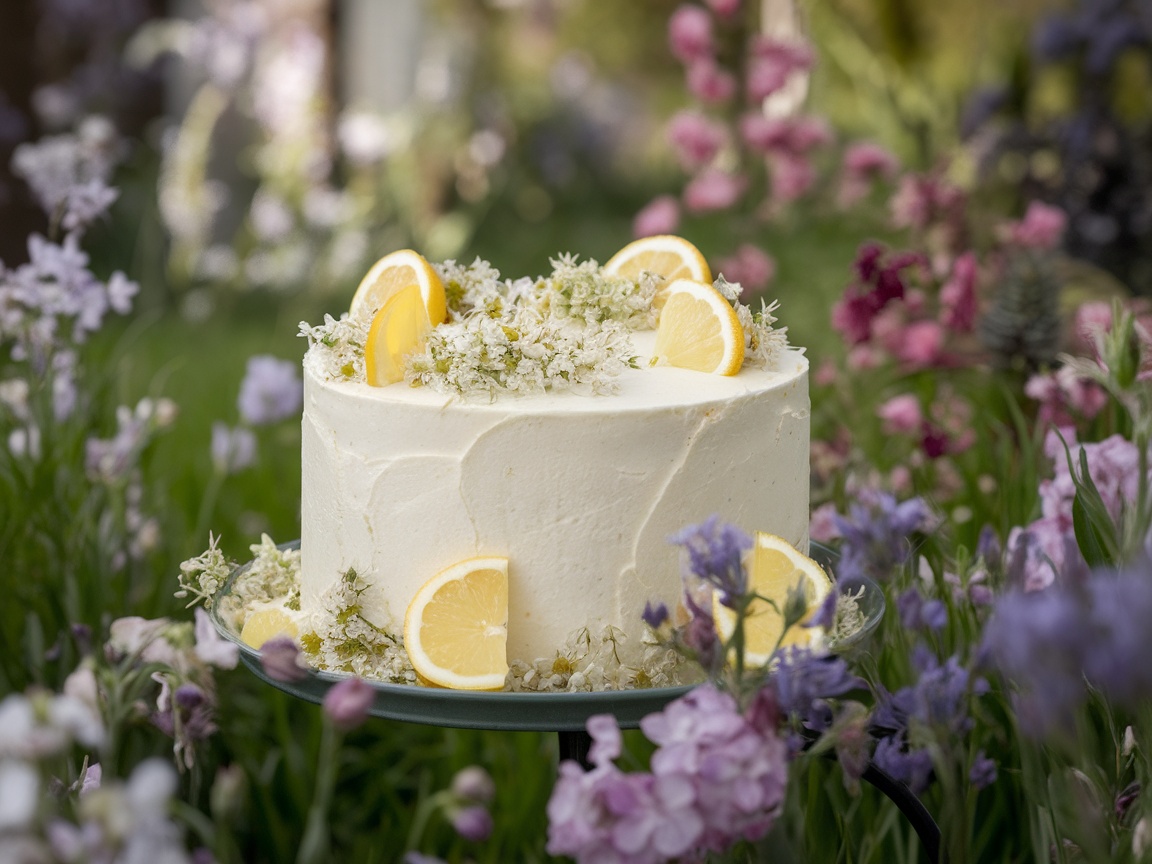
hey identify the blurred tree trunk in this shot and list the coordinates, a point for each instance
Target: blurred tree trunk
(18, 213)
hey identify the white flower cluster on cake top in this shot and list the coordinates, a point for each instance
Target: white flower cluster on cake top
(569, 330)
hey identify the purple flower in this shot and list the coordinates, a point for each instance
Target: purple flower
(916, 613)
(233, 449)
(473, 823)
(876, 534)
(913, 767)
(346, 705)
(983, 771)
(804, 681)
(271, 391)
(654, 616)
(280, 658)
(714, 554)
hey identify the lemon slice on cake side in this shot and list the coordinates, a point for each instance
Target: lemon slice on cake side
(775, 567)
(456, 627)
(392, 274)
(398, 329)
(698, 330)
(666, 255)
(261, 625)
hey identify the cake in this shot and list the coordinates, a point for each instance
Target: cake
(579, 490)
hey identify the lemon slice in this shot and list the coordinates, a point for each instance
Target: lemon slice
(775, 567)
(263, 624)
(699, 330)
(663, 254)
(456, 627)
(400, 328)
(392, 274)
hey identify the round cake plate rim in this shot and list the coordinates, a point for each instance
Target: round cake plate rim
(463, 709)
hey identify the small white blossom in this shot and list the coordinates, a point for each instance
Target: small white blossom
(203, 576)
(339, 343)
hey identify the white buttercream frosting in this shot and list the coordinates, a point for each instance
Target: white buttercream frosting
(579, 492)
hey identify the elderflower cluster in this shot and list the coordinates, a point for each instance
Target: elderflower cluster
(343, 340)
(521, 353)
(584, 292)
(202, 577)
(345, 641)
(763, 343)
(589, 663)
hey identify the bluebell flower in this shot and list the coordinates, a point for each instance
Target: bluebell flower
(715, 555)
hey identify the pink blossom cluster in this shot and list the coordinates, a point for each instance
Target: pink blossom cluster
(864, 163)
(1042, 228)
(717, 777)
(944, 431)
(1047, 547)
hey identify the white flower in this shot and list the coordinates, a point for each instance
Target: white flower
(19, 794)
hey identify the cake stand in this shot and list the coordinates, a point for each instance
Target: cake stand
(565, 713)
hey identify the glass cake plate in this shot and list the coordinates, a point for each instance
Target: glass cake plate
(507, 711)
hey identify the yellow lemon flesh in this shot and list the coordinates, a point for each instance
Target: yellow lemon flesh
(456, 627)
(699, 330)
(665, 255)
(775, 567)
(400, 328)
(393, 273)
(263, 624)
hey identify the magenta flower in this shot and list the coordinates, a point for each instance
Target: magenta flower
(710, 83)
(696, 138)
(660, 216)
(713, 190)
(922, 345)
(347, 703)
(901, 415)
(1042, 227)
(864, 163)
(690, 33)
(750, 266)
(958, 295)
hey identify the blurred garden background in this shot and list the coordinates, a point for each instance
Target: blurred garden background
(952, 202)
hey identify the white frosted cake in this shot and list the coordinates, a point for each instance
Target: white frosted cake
(579, 491)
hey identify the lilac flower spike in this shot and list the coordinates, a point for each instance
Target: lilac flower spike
(715, 553)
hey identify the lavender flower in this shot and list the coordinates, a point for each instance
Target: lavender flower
(714, 555)
(876, 535)
(916, 613)
(346, 705)
(473, 784)
(654, 616)
(271, 391)
(983, 771)
(803, 682)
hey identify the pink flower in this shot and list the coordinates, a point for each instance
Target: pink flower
(724, 8)
(690, 33)
(923, 341)
(922, 199)
(958, 295)
(709, 83)
(901, 415)
(861, 357)
(660, 216)
(713, 190)
(1091, 321)
(772, 63)
(765, 133)
(697, 138)
(822, 526)
(864, 162)
(792, 176)
(751, 266)
(1062, 393)
(1041, 228)
(826, 373)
